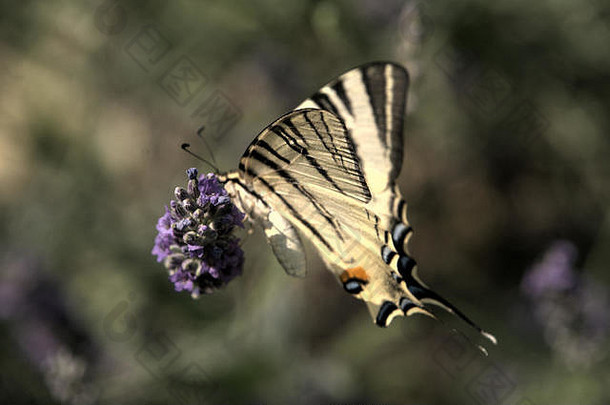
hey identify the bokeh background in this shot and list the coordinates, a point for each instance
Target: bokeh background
(506, 174)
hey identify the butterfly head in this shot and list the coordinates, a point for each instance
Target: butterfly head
(195, 239)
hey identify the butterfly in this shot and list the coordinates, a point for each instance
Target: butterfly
(326, 171)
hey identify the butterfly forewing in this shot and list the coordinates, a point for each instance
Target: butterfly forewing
(371, 100)
(305, 167)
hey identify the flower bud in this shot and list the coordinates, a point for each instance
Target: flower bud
(178, 210)
(193, 189)
(189, 205)
(181, 194)
(191, 238)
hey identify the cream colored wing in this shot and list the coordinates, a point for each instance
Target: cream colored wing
(371, 100)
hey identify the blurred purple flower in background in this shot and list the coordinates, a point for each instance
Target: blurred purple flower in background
(44, 329)
(554, 273)
(570, 306)
(195, 238)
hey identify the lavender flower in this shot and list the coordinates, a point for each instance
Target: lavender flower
(569, 305)
(554, 273)
(195, 238)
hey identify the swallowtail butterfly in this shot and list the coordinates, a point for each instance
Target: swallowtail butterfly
(327, 171)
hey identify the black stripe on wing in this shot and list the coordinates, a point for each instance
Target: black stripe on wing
(386, 85)
(329, 144)
(323, 101)
(375, 84)
(400, 232)
(272, 151)
(339, 88)
(254, 195)
(386, 309)
(382, 86)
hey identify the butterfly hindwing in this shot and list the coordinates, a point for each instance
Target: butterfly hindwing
(286, 244)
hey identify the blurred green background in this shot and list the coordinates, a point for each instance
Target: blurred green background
(506, 174)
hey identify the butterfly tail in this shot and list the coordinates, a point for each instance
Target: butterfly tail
(427, 296)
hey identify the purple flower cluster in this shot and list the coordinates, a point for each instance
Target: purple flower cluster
(195, 240)
(570, 306)
(554, 273)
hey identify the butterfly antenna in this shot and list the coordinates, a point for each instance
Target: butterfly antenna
(185, 147)
(200, 135)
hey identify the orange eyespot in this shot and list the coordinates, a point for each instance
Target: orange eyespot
(355, 272)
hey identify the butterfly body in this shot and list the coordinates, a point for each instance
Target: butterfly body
(327, 171)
